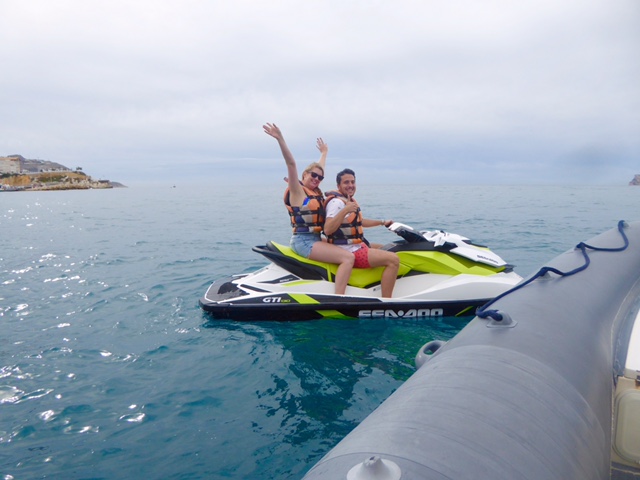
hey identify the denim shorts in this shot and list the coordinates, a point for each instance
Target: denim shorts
(301, 243)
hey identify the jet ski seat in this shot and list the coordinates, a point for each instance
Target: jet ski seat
(312, 270)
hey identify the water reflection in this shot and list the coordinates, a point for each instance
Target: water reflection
(321, 378)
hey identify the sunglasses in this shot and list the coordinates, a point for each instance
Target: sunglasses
(315, 175)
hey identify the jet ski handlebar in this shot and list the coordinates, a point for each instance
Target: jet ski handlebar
(407, 232)
(453, 242)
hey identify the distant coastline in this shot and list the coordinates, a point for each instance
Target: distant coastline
(20, 174)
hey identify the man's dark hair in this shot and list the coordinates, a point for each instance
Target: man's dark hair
(346, 171)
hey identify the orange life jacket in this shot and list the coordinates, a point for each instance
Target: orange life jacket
(350, 231)
(308, 218)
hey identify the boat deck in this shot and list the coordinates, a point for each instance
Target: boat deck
(621, 470)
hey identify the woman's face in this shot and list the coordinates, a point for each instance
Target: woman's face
(312, 178)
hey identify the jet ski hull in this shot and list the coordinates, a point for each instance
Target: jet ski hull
(434, 280)
(261, 296)
(310, 306)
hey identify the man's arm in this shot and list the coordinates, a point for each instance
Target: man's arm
(336, 211)
(367, 222)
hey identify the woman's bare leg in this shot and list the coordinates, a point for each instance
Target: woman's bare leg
(326, 252)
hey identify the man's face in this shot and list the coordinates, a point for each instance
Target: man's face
(347, 185)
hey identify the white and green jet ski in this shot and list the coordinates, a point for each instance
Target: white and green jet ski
(441, 274)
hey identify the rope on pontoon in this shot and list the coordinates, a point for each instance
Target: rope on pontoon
(482, 311)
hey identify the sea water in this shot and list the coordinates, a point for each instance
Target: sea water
(109, 368)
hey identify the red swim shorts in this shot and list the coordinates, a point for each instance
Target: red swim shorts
(362, 257)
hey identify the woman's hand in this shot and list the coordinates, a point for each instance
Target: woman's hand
(273, 130)
(323, 147)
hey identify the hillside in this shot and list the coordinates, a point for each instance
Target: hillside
(47, 175)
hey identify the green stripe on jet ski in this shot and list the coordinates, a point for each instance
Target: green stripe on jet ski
(303, 299)
(301, 282)
(465, 312)
(334, 314)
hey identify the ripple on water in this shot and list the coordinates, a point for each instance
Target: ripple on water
(136, 416)
(9, 394)
(13, 395)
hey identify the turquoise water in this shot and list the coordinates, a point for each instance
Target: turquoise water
(109, 369)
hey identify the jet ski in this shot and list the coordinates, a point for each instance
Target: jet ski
(441, 274)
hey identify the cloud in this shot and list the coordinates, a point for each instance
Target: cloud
(483, 90)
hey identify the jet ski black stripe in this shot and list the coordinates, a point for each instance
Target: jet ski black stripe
(375, 309)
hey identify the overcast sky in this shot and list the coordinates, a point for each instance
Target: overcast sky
(438, 92)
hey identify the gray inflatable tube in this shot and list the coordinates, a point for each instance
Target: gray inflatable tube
(525, 396)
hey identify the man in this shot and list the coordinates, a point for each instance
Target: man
(344, 224)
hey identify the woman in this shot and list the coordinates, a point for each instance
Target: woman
(305, 203)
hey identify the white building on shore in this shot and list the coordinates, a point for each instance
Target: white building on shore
(12, 164)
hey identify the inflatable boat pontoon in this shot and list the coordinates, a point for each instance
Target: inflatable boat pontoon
(542, 384)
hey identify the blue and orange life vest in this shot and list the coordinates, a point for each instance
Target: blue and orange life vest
(350, 231)
(308, 218)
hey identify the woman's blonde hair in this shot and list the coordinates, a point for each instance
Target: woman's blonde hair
(312, 166)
